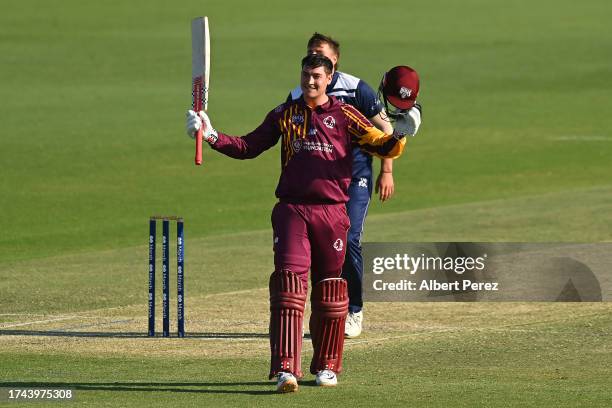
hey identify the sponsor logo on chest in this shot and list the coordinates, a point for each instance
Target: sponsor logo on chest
(297, 119)
(311, 146)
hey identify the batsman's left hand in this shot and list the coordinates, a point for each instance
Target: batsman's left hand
(407, 122)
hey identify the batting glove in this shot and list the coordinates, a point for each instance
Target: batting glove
(407, 122)
(196, 121)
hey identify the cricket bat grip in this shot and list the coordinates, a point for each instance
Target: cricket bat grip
(198, 154)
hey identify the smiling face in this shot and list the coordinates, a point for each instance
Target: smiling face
(314, 83)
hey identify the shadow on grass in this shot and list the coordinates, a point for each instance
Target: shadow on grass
(129, 335)
(178, 387)
(309, 383)
(133, 335)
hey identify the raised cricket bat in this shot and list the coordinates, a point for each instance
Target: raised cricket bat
(200, 72)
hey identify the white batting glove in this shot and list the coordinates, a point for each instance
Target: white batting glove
(407, 122)
(196, 121)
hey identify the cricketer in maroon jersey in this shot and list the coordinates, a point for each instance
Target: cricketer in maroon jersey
(316, 150)
(309, 222)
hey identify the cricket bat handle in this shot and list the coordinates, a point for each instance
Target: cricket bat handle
(198, 154)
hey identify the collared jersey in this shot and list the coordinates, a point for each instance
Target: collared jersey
(316, 148)
(356, 92)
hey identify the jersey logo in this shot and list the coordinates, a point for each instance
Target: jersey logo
(312, 132)
(405, 92)
(363, 182)
(297, 145)
(297, 119)
(330, 122)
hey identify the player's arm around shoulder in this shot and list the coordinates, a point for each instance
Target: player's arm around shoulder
(369, 105)
(371, 139)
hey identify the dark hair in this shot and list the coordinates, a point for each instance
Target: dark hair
(316, 61)
(318, 38)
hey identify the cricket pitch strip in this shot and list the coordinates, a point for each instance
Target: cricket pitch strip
(235, 324)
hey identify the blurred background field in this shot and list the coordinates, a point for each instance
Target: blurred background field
(515, 98)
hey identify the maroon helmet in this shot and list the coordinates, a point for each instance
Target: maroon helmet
(400, 87)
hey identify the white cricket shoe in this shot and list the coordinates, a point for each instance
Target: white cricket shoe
(326, 378)
(286, 383)
(352, 326)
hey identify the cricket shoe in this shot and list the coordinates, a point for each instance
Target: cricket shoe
(286, 383)
(326, 378)
(352, 326)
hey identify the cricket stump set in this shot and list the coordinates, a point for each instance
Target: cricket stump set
(180, 274)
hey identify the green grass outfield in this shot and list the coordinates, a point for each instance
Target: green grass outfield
(516, 145)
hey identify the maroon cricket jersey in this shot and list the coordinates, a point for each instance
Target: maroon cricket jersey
(316, 151)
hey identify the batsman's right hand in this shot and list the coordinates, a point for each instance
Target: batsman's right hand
(195, 121)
